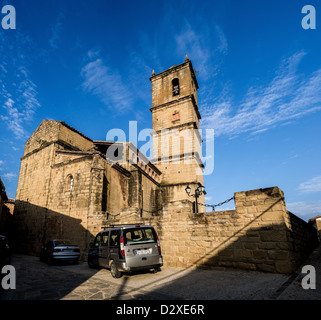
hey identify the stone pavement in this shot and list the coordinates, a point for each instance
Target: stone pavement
(294, 291)
(36, 280)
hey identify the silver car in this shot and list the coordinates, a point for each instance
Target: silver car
(60, 250)
(126, 248)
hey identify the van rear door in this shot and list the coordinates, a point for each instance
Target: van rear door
(141, 247)
(104, 249)
(114, 246)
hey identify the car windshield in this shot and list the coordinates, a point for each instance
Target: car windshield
(138, 236)
(62, 242)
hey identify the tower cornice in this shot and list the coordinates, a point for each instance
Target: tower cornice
(187, 63)
(170, 103)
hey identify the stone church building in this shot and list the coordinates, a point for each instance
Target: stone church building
(66, 177)
(70, 186)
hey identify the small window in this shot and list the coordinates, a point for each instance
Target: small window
(114, 238)
(175, 84)
(104, 241)
(97, 240)
(69, 182)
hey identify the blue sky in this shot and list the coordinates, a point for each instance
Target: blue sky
(89, 63)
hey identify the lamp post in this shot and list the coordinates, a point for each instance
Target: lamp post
(198, 192)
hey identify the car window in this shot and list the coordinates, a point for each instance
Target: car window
(104, 240)
(49, 244)
(97, 240)
(142, 235)
(62, 242)
(114, 238)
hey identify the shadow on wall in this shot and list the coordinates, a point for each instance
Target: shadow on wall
(34, 226)
(262, 237)
(274, 248)
(269, 239)
(269, 246)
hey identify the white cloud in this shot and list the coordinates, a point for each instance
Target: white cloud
(9, 176)
(55, 31)
(107, 85)
(306, 209)
(199, 47)
(312, 185)
(288, 96)
(20, 105)
(18, 93)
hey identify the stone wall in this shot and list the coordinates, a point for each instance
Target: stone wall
(302, 236)
(66, 189)
(162, 83)
(260, 234)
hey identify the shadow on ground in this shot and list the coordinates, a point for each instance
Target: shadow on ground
(37, 281)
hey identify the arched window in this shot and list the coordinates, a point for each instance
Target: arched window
(175, 84)
(69, 182)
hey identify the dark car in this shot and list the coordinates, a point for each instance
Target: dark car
(59, 250)
(5, 255)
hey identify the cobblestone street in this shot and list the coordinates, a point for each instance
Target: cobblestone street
(36, 280)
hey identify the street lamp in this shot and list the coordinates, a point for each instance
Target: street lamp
(198, 192)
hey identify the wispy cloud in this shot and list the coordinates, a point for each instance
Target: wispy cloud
(107, 84)
(18, 93)
(199, 46)
(307, 209)
(312, 185)
(19, 102)
(288, 96)
(10, 176)
(205, 43)
(55, 31)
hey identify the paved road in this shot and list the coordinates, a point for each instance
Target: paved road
(36, 280)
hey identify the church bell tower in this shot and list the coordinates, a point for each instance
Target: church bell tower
(176, 138)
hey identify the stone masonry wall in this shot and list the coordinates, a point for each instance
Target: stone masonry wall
(256, 235)
(162, 84)
(302, 236)
(64, 192)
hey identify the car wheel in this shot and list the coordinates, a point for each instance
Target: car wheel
(114, 271)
